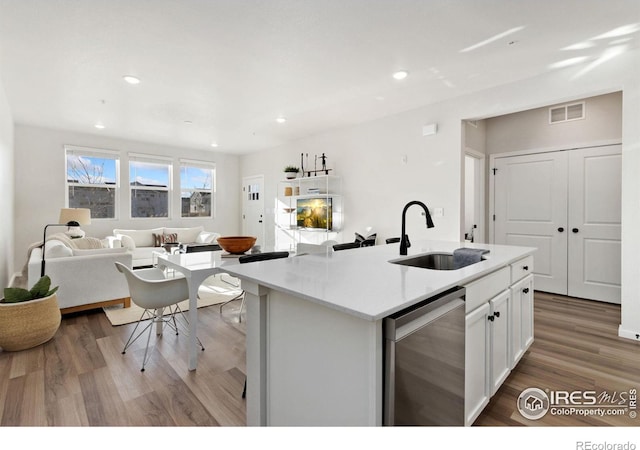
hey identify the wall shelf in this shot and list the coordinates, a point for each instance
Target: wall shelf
(289, 231)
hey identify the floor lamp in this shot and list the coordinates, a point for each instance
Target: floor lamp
(69, 217)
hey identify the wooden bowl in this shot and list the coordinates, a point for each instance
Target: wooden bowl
(236, 245)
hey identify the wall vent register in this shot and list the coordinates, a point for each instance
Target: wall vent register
(566, 113)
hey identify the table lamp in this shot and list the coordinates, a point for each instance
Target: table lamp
(71, 218)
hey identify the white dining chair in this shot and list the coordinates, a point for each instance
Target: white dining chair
(153, 292)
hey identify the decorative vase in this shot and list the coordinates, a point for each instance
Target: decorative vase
(28, 324)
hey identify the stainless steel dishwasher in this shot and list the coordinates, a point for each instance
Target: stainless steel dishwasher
(424, 362)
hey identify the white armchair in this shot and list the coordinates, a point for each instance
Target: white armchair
(87, 279)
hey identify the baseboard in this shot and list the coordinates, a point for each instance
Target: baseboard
(15, 276)
(125, 302)
(629, 334)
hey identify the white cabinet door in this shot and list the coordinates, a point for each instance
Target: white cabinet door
(526, 326)
(530, 209)
(477, 347)
(594, 223)
(521, 316)
(516, 347)
(499, 341)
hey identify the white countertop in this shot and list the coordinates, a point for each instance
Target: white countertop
(363, 283)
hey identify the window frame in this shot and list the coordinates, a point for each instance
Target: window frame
(151, 159)
(72, 150)
(206, 165)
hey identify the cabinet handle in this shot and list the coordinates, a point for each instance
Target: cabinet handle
(575, 230)
(497, 314)
(491, 318)
(525, 267)
(560, 229)
(525, 290)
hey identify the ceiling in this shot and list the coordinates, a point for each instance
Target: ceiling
(223, 70)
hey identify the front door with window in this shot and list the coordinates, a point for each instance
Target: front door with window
(253, 207)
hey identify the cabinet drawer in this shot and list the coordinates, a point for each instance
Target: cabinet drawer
(521, 268)
(487, 287)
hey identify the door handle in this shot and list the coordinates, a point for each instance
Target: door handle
(525, 290)
(259, 221)
(560, 229)
(575, 230)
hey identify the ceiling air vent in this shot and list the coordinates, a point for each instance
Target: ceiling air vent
(566, 113)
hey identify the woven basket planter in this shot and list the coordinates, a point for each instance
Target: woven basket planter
(28, 324)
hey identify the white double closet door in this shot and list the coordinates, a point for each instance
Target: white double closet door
(568, 205)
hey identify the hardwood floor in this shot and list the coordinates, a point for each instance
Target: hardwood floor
(576, 347)
(80, 378)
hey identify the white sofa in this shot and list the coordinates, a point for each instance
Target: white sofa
(87, 278)
(142, 243)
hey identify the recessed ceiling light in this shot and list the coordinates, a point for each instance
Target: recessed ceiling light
(131, 79)
(281, 119)
(400, 74)
(188, 122)
(214, 144)
(99, 126)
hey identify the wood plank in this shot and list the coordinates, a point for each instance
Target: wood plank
(576, 347)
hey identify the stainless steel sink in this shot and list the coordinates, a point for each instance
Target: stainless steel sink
(433, 261)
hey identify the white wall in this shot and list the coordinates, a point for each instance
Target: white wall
(531, 129)
(376, 184)
(6, 191)
(40, 185)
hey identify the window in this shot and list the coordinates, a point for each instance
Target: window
(149, 181)
(197, 185)
(92, 181)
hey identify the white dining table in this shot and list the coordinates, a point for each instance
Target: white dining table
(196, 267)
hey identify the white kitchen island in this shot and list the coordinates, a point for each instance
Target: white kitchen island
(314, 326)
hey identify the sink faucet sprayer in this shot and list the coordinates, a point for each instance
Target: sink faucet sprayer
(404, 239)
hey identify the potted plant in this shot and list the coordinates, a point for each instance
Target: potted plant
(29, 317)
(291, 172)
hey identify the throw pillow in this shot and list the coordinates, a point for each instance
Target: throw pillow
(171, 238)
(56, 249)
(207, 237)
(160, 239)
(360, 238)
(127, 241)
